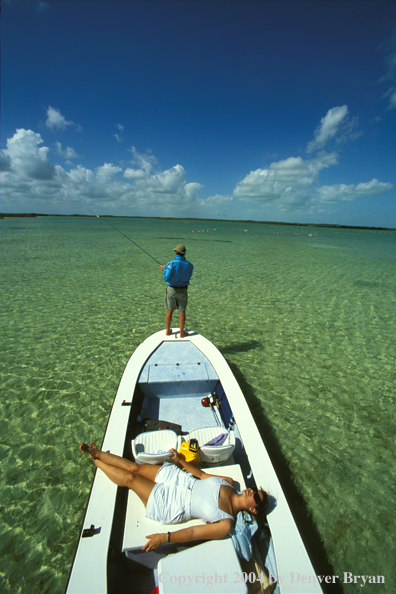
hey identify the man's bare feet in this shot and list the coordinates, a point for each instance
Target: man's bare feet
(183, 334)
(90, 449)
(168, 332)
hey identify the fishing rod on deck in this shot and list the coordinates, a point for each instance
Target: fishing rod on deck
(126, 236)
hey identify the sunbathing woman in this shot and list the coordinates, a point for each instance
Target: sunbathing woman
(172, 495)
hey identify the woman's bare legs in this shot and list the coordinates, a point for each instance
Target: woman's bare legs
(123, 472)
(149, 471)
(139, 484)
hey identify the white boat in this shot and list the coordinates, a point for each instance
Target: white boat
(166, 379)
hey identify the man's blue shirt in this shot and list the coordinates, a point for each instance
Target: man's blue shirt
(177, 272)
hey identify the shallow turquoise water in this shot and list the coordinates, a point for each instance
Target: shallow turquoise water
(305, 316)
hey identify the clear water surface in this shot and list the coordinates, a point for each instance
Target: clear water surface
(305, 316)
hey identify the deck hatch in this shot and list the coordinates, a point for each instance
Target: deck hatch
(177, 373)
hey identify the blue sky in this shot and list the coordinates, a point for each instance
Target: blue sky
(280, 110)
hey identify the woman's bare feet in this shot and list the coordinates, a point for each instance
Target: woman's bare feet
(90, 449)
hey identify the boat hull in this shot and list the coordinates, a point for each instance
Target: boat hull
(166, 378)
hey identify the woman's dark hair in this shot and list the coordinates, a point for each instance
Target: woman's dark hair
(262, 507)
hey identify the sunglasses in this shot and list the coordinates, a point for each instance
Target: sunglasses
(256, 496)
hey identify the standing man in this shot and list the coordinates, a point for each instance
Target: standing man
(177, 274)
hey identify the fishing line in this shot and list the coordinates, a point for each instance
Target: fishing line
(126, 236)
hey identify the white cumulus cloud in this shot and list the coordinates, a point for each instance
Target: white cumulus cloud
(101, 186)
(29, 177)
(141, 188)
(56, 121)
(293, 183)
(218, 201)
(26, 158)
(145, 161)
(288, 182)
(347, 193)
(166, 187)
(67, 153)
(130, 173)
(334, 124)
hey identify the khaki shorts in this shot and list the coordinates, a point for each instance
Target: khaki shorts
(176, 298)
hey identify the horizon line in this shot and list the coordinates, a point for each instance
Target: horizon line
(335, 225)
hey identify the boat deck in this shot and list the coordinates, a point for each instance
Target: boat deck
(185, 411)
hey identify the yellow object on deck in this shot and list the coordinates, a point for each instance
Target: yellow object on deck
(190, 451)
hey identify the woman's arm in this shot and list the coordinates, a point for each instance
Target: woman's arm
(207, 532)
(180, 461)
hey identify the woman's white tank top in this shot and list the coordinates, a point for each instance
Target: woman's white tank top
(205, 500)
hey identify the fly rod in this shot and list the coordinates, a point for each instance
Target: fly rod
(115, 228)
